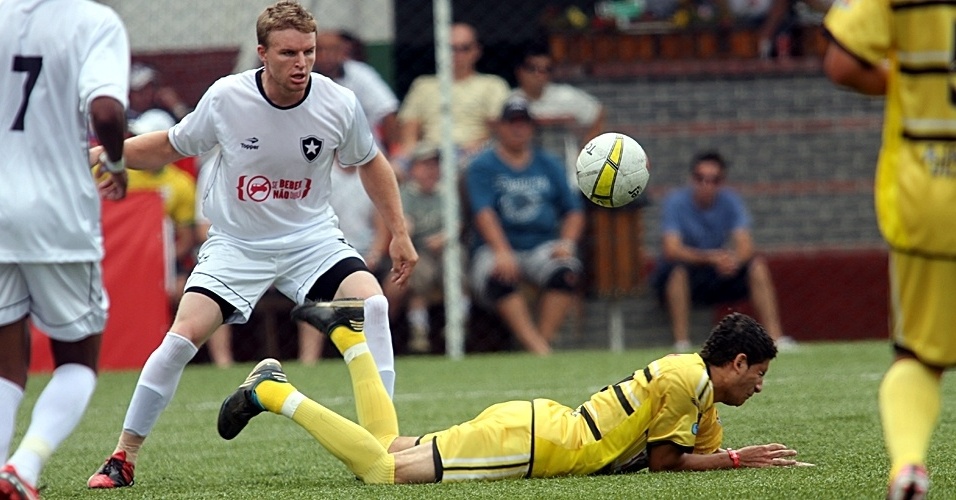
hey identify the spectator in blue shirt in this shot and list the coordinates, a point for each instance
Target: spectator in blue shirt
(707, 256)
(528, 221)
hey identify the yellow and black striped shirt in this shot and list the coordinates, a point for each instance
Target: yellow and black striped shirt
(671, 400)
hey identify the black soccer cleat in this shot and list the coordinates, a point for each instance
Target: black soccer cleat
(116, 472)
(242, 405)
(325, 316)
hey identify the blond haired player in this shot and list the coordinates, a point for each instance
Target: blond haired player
(661, 417)
(904, 50)
(278, 129)
(51, 243)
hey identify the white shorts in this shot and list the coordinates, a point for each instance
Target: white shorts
(537, 266)
(240, 275)
(66, 301)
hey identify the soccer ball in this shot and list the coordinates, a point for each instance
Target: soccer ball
(612, 170)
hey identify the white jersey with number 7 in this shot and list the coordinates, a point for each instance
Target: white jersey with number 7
(56, 56)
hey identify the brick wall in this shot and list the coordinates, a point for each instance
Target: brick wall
(802, 152)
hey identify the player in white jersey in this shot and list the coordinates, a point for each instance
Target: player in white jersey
(64, 65)
(278, 129)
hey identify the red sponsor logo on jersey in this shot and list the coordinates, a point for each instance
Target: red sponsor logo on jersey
(259, 188)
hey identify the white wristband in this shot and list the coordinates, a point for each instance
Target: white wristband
(112, 167)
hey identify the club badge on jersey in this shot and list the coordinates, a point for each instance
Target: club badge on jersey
(311, 147)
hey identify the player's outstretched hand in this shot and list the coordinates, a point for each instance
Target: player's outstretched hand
(768, 455)
(404, 258)
(113, 185)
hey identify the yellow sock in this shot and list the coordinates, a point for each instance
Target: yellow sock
(272, 394)
(344, 338)
(909, 407)
(348, 441)
(375, 410)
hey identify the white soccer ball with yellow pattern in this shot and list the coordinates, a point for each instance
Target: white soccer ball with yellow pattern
(612, 170)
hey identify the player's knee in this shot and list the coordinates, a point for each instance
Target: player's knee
(678, 278)
(376, 304)
(564, 280)
(758, 268)
(678, 272)
(497, 289)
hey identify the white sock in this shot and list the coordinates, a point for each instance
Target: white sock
(57, 412)
(379, 339)
(157, 383)
(10, 397)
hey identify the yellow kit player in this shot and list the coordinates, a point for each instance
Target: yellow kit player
(662, 417)
(904, 50)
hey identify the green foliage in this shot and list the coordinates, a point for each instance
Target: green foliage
(819, 399)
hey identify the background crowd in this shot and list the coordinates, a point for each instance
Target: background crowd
(523, 253)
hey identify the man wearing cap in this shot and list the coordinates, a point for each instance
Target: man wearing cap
(148, 98)
(528, 221)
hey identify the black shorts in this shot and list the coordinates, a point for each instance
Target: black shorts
(706, 286)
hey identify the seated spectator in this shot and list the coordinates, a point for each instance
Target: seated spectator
(422, 202)
(558, 103)
(475, 102)
(528, 221)
(707, 255)
(376, 97)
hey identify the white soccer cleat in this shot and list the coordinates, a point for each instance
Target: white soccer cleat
(910, 483)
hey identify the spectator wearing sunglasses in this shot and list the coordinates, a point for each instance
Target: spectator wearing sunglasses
(556, 103)
(708, 255)
(476, 100)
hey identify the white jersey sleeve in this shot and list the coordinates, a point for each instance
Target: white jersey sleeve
(358, 146)
(103, 61)
(196, 133)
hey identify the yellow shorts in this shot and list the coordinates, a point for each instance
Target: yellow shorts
(518, 439)
(923, 307)
(494, 445)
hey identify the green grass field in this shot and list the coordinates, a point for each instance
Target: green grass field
(820, 399)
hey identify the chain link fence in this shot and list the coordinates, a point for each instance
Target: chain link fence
(680, 76)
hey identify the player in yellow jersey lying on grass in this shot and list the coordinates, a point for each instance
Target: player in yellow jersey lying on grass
(662, 417)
